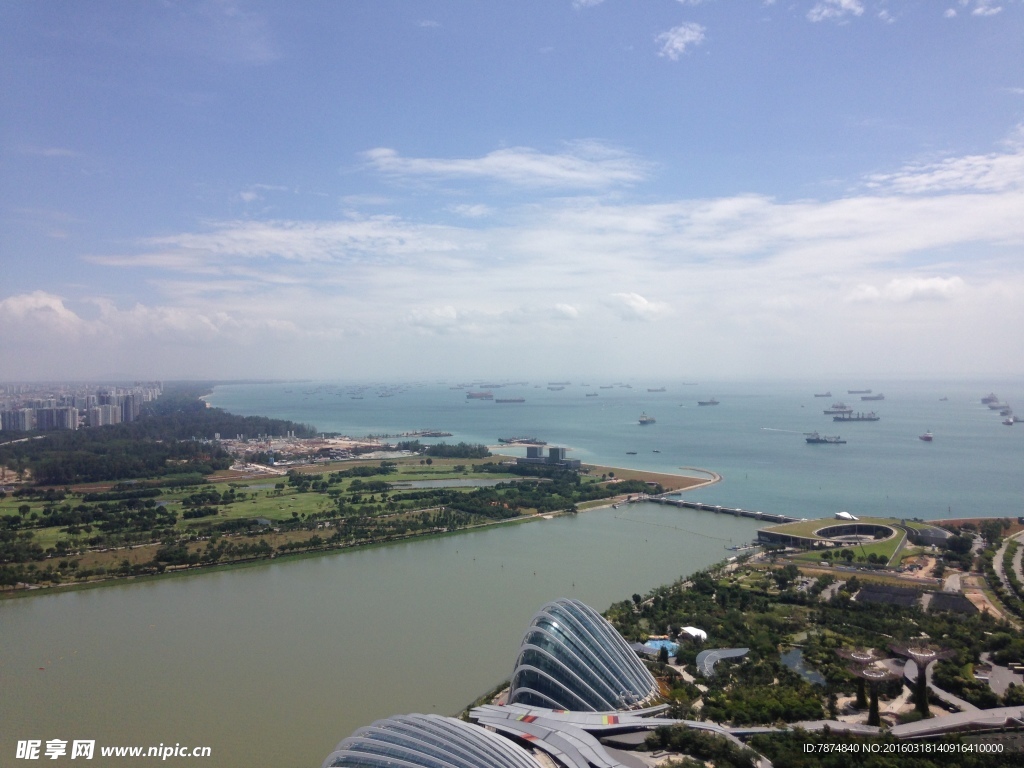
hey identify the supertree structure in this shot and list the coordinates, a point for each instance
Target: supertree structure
(922, 654)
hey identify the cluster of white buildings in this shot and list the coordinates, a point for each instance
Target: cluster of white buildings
(25, 407)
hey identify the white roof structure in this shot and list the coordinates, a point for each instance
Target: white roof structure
(696, 634)
(845, 516)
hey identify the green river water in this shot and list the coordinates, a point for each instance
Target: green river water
(273, 665)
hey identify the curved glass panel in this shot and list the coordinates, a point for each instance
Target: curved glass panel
(572, 658)
(426, 741)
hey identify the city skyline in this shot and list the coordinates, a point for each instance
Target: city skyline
(219, 189)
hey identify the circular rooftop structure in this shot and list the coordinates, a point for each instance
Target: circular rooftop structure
(855, 532)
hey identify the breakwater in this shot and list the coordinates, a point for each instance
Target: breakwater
(719, 509)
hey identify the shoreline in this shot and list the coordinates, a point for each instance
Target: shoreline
(8, 594)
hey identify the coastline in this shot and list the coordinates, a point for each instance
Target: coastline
(677, 483)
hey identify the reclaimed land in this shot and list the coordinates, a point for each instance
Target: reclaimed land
(90, 534)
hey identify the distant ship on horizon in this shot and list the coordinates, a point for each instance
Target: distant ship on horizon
(869, 416)
(815, 439)
(838, 407)
(712, 401)
(645, 419)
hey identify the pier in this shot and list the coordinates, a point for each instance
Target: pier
(719, 509)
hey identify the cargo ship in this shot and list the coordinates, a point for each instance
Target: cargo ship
(927, 436)
(645, 419)
(858, 391)
(815, 439)
(510, 400)
(479, 395)
(869, 416)
(879, 396)
(838, 407)
(712, 401)
(991, 397)
(823, 394)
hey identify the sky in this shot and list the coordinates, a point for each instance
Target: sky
(411, 190)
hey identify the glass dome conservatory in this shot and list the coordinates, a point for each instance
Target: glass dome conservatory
(427, 741)
(572, 658)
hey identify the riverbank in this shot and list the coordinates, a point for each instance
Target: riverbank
(282, 538)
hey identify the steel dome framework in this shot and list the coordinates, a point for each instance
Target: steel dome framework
(426, 741)
(572, 658)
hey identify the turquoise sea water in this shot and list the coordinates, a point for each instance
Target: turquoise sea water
(754, 438)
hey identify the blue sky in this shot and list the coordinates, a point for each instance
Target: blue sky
(694, 188)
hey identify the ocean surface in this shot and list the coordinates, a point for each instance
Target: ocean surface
(754, 437)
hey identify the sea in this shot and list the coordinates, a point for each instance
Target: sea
(754, 437)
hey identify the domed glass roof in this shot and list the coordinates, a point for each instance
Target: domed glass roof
(426, 741)
(572, 658)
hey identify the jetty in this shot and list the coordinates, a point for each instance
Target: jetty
(718, 509)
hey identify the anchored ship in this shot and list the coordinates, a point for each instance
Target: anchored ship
(838, 407)
(869, 416)
(879, 396)
(645, 419)
(815, 439)
(712, 401)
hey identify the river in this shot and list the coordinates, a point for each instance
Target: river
(272, 665)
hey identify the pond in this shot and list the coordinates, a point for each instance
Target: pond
(794, 659)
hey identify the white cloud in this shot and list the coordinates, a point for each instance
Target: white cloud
(442, 319)
(585, 3)
(472, 211)
(428, 24)
(950, 13)
(254, 192)
(675, 41)
(835, 9)
(744, 272)
(37, 311)
(905, 289)
(633, 306)
(987, 173)
(985, 8)
(567, 311)
(586, 165)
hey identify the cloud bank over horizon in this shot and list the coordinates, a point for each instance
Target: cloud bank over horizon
(440, 252)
